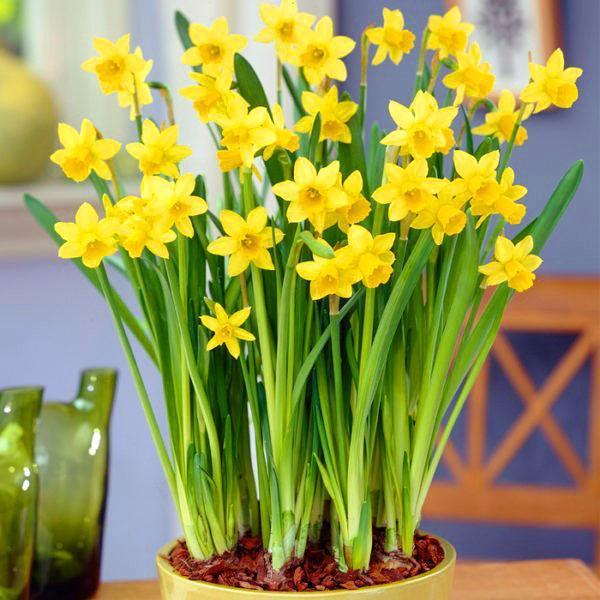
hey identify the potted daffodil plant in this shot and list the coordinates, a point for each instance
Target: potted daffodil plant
(318, 321)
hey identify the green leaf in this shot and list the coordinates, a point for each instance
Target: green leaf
(468, 132)
(312, 356)
(253, 92)
(361, 545)
(488, 144)
(182, 24)
(313, 141)
(317, 247)
(293, 90)
(376, 155)
(249, 84)
(556, 206)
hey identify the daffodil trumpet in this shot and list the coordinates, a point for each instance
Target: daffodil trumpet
(331, 332)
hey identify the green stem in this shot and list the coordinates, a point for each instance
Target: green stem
(421, 63)
(139, 383)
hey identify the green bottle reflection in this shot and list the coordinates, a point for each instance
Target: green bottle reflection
(19, 408)
(72, 454)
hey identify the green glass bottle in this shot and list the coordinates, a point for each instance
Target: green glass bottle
(19, 408)
(72, 454)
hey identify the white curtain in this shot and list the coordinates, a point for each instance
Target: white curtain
(58, 38)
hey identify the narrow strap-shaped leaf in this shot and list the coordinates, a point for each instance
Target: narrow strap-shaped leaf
(468, 132)
(293, 90)
(313, 140)
(182, 25)
(310, 360)
(556, 206)
(249, 84)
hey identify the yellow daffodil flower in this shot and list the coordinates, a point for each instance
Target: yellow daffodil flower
(334, 115)
(514, 264)
(391, 39)
(158, 152)
(448, 34)
(115, 65)
(140, 224)
(211, 94)
(472, 77)
(506, 202)
(422, 128)
(408, 189)
(477, 178)
(247, 241)
(330, 276)
(227, 329)
(312, 195)
(320, 52)
(138, 233)
(214, 47)
(285, 26)
(373, 255)
(245, 131)
(83, 152)
(500, 123)
(444, 214)
(284, 138)
(89, 237)
(552, 84)
(229, 160)
(174, 200)
(356, 207)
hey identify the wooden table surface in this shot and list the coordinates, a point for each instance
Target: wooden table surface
(529, 580)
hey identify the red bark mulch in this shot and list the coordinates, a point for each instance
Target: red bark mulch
(249, 566)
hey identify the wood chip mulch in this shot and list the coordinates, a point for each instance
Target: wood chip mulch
(249, 566)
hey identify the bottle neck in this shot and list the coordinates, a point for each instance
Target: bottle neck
(19, 409)
(96, 394)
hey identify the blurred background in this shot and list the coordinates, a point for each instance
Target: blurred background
(522, 479)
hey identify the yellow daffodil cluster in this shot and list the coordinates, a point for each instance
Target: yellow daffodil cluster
(365, 258)
(314, 193)
(136, 223)
(319, 196)
(121, 72)
(440, 204)
(317, 51)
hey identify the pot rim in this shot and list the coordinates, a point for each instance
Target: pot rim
(445, 565)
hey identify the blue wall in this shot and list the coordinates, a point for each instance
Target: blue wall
(556, 138)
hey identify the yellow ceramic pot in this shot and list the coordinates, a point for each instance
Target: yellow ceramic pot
(434, 585)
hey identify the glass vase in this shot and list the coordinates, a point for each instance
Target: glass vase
(72, 454)
(19, 408)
